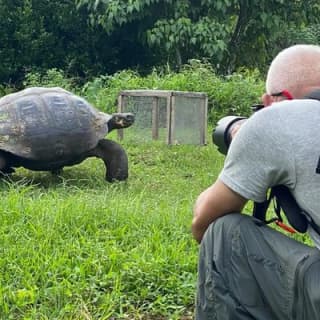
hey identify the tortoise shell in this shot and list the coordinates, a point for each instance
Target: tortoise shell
(49, 124)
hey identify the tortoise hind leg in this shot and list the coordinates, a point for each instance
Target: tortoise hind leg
(114, 157)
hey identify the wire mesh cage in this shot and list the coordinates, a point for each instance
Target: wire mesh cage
(174, 117)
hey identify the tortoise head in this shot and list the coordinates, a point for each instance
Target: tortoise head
(120, 121)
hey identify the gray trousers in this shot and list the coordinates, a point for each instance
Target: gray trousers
(249, 271)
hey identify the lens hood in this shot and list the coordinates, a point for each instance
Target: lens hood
(221, 136)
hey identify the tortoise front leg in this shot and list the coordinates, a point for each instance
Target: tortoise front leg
(114, 157)
(5, 168)
(57, 172)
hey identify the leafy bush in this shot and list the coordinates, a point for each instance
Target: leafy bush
(103, 91)
(51, 78)
(232, 94)
(4, 90)
(235, 94)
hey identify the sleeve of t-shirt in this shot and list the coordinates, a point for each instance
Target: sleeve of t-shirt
(256, 159)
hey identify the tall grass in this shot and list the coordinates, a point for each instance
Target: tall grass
(77, 247)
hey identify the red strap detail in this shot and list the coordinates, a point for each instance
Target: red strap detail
(287, 94)
(284, 226)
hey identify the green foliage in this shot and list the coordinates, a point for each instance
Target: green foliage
(236, 93)
(103, 91)
(292, 35)
(229, 33)
(232, 94)
(89, 38)
(41, 35)
(112, 13)
(258, 26)
(51, 78)
(4, 90)
(182, 35)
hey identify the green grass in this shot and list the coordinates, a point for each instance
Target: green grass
(77, 247)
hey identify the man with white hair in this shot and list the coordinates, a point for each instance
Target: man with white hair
(248, 270)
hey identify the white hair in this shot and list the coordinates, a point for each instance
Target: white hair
(294, 68)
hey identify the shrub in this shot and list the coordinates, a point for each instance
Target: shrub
(103, 91)
(51, 78)
(233, 94)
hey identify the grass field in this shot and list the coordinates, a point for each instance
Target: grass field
(77, 247)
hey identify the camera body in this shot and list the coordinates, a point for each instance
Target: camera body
(222, 133)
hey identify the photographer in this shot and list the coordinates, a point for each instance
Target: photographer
(248, 270)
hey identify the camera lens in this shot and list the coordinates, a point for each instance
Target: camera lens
(221, 135)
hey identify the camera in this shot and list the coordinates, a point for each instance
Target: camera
(222, 133)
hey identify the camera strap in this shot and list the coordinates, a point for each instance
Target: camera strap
(260, 212)
(284, 200)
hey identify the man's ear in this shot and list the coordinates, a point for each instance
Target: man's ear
(267, 99)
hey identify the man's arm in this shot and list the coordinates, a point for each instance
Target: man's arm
(212, 203)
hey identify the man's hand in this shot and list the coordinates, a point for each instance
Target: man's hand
(212, 203)
(235, 128)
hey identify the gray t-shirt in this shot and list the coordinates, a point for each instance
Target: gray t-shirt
(278, 145)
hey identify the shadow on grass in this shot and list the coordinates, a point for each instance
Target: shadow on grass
(87, 175)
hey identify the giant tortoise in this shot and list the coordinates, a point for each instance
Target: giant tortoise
(49, 128)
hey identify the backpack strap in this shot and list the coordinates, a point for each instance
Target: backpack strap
(284, 200)
(260, 212)
(295, 215)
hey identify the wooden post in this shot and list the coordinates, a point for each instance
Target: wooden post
(172, 119)
(203, 120)
(169, 96)
(155, 118)
(120, 109)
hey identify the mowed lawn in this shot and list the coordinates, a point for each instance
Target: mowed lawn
(77, 247)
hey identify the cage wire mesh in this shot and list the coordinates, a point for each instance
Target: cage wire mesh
(187, 120)
(173, 117)
(149, 123)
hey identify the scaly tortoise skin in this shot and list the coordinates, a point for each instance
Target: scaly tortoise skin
(49, 128)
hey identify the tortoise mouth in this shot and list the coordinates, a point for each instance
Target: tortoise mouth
(123, 120)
